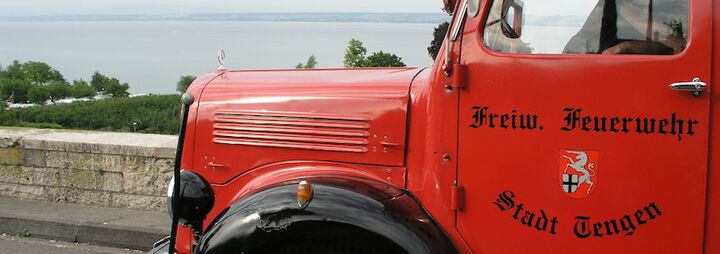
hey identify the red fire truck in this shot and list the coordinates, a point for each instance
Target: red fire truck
(545, 126)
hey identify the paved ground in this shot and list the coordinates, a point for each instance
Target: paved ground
(13, 245)
(124, 228)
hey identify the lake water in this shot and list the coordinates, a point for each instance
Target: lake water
(151, 56)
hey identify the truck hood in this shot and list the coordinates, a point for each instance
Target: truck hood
(248, 119)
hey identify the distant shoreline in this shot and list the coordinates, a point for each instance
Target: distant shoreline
(359, 17)
(319, 17)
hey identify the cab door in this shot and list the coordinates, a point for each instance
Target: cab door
(583, 127)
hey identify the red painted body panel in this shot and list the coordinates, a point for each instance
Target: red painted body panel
(248, 119)
(272, 174)
(510, 175)
(712, 219)
(195, 89)
(253, 129)
(432, 135)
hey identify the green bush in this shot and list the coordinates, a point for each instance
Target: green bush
(59, 90)
(382, 59)
(41, 73)
(81, 89)
(39, 125)
(184, 83)
(13, 71)
(4, 115)
(17, 88)
(38, 94)
(115, 88)
(311, 63)
(355, 57)
(153, 114)
(36, 82)
(108, 85)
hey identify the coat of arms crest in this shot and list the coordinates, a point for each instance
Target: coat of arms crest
(578, 172)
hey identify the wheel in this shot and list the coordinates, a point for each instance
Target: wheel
(322, 247)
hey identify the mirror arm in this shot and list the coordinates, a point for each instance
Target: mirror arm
(452, 36)
(447, 67)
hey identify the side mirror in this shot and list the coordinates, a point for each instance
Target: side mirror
(511, 18)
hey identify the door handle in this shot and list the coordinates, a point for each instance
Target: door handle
(695, 86)
(214, 165)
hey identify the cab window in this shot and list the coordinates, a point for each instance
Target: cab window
(650, 27)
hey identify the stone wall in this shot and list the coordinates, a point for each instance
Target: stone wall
(93, 168)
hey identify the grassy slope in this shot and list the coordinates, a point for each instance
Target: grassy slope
(153, 114)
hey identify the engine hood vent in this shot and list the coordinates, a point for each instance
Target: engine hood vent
(250, 119)
(320, 132)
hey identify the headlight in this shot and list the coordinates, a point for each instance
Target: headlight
(196, 198)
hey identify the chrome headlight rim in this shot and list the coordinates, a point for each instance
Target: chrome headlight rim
(169, 196)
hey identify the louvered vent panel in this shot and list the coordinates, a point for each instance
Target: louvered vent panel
(337, 133)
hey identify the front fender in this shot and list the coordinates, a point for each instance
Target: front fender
(272, 215)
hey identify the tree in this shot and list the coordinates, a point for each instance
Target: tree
(438, 37)
(355, 54)
(5, 117)
(382, 59)
(58, 90)
(98, 81)
(108, 85)
(14, 71)
(184, 83)
(18, 88)
(41, 73)
(38, 94)
(114, 87)
(81, 89)
(310, 64)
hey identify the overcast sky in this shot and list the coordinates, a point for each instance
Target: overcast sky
(84, 7)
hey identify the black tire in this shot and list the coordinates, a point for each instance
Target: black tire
(321, 247)
(326, 238)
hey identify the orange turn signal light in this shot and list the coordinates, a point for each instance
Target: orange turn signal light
(304, 194)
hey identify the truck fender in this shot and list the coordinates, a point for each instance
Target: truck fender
(340, 210)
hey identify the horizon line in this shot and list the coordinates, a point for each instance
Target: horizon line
(222, 13)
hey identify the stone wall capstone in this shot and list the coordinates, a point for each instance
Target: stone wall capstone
(104, 169)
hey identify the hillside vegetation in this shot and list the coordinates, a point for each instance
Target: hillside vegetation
(38, 82)
(41, 84)
(153, 114)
